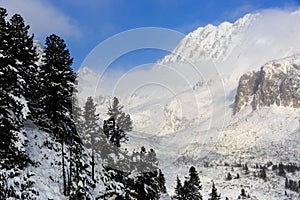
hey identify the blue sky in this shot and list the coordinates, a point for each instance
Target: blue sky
(84, 24)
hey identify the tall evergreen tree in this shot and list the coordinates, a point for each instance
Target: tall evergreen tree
(78, 190)
(118, 123)
(91, 130)
(113, 133)
(161, 182)
(146, 186)
(24, 56)
(214, 193)
(55, 96)
(11, 116)
(57, 82)
(192, 186)
(178, 190)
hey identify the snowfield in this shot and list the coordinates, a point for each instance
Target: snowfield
(186, 114)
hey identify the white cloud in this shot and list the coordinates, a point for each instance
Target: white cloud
(43, 18)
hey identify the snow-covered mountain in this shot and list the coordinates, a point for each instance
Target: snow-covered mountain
(184, 105)
(214, 42)
(203, 70)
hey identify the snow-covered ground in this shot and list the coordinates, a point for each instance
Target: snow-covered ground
(184, 110)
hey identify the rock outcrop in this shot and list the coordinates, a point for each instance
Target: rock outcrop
(277, 83)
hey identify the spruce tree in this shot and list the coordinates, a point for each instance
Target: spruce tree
(57, 83)
(11, 115)
(118, 124)
(55, 96)
(24, 56)
(243, 193)
(214, 193)
(228, 177)
(192, 186)
(91, 131)
(146, 186)
(78, 190)
(148, 181)
(178, 190)
(161, 182)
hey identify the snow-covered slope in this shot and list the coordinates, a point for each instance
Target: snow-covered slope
(214, 42)
(46, 172)
(184, 105)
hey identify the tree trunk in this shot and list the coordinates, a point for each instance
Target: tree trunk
(63, 166)
(70, 170)
(77, 164)
(93, 165)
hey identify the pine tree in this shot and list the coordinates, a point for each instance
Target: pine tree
(78, 191)
(228, 177)
(23, 54)
(11, 116)
(91, 130)
(178, 190)
(149, 183)
(243, 193)
(55, 96)
(214, 193)
(161, 182)
(118, 124)
(57, 83)
(192, 186)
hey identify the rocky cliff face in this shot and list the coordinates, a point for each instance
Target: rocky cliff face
(277, 83)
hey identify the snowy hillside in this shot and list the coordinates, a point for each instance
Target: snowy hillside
(226, 100)
(189, 117)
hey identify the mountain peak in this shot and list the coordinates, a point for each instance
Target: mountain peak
(214, 42)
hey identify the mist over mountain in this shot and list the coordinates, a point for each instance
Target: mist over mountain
(222, 107)
(226, 93)
(207, 61)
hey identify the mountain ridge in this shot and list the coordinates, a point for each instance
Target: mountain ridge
(214, 42)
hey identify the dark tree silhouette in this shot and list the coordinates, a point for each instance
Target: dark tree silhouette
(214, 193)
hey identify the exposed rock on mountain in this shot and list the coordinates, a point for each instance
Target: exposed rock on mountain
(277, 83)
